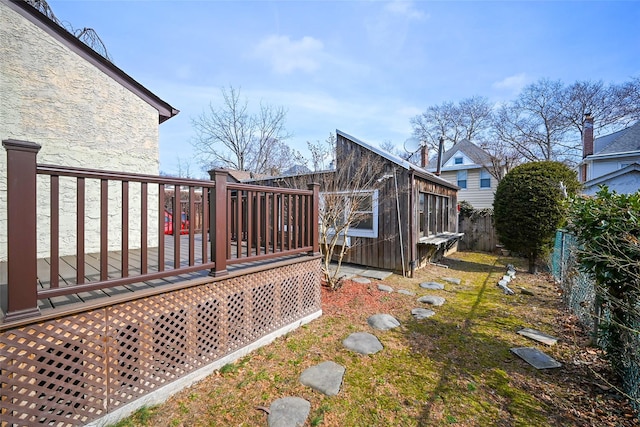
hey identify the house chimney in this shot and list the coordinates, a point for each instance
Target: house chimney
(587, 144)
(587, 136)
(440, 151)
(424, 158)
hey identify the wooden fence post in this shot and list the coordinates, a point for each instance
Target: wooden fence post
(218, 223)
(22, 292)
(313, 226)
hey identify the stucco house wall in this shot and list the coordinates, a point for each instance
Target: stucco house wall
(81, 117)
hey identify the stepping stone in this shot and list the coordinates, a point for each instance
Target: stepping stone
(377, 274)
(325, 377)
(538, 336)
(453, 280)
(288, 412)
(363, 343)
(536, 358)
(385, 288)
(406, 292)
(432, 285)
(432, 299)
(361, 280)
(422, 313)
(383, 322)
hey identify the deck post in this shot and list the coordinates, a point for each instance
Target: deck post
(218, 222)
(313, 217)
(22, 291)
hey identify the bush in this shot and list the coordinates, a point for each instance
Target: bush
(529, 207)
(607, 228)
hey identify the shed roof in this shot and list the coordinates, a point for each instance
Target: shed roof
(165, 111)
(423, 173)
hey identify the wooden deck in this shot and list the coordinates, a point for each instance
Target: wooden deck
(67, 272)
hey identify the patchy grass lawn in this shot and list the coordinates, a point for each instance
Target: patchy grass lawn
(454, 368)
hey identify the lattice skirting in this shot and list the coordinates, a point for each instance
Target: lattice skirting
(75, 369)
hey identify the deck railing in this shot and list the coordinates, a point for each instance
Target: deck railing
(241, 223)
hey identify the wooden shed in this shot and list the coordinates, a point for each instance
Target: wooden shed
(414, 212)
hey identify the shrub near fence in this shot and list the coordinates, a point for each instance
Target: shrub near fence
(581, 296)
(578, 290)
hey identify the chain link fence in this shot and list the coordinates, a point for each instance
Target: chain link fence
(581, 297)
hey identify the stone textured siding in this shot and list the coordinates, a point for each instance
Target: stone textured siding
(81, 117)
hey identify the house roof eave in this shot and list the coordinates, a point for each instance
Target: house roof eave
(593, 157)
(165, 111)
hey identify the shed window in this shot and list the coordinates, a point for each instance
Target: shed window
(485, 179)
(358, 208)
(433, 214)
(462, 179)
(422, 221)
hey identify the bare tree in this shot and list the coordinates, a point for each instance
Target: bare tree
(474, 117)
(347, 200)
(323, 153)
(230, 136)
(348, 194)
(535, 125)
(502, 158)
(470, 119)
(629, 96)
(612, 104)
(391, 148)
(545, 122)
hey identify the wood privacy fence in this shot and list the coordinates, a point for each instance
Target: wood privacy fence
(240, 223)
(479, 233)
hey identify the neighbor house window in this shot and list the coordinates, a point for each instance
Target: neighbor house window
(359, 208)
(462, 179)
(485, 179)
(457, 160)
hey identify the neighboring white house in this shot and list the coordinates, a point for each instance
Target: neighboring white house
(83, 110)
(612, 160)
(467, 166)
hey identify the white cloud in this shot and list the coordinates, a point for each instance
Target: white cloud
(513, 83)
(405, 8)
(286, 56)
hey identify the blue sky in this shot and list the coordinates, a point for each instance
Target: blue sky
(364, 67)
